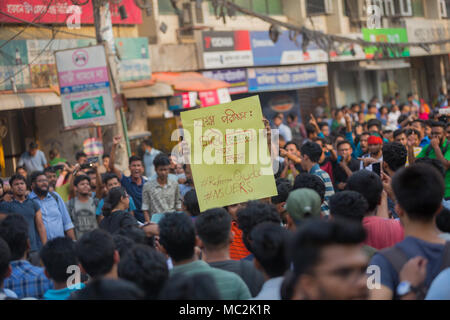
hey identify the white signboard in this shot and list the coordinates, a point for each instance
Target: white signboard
(85, 87)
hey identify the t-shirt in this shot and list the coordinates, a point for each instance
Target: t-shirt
(135, 191)
(28, 210)
(381, 232)
(252, 277)
(55, 161)
(432, 155)
(238, 250)
(62, 294)
(36, 163)
(132, 206)
(229, 285)
(440, 288)
(82, 215)
(116, 220)
(339, 173)
(412, 247)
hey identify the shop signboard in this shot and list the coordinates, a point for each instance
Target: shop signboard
(237, 78)
(398, 35)
(85, 87)
(287, 78)
(426, 30)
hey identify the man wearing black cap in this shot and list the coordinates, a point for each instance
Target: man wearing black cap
(33, 159)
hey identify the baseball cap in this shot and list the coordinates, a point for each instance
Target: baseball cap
(303, 203)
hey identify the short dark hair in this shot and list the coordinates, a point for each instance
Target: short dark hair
(5, 258)
(35, 175)
(146, 268)
(399, 132)
(316, 235)
(434, 124)
(177, 235)
(14, 230)
(419, 190)
(80, 154)
(50, 170)
(348, 205)
(432, 162)
(80, 178)
(134, 159)
(310, 129)
(255, 213)
(192, 287)
(284, 186)
(310, 181)
(123, 244)
(17, 177)
(374, 122)
(269, 244)
(395, 155)
(293, 143)
(106, 155)
(95, 251)
(33, 145)
(213, 228)
(110, 176)
(109, 289)
(161, 160)
(57, 255)
(419, 121)
(368, 184)
(312, 150)
(343, 142)
(190, 201)
(148, 142)
(323, 124)
(443, 220)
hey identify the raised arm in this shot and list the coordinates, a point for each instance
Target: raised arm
(112, 167)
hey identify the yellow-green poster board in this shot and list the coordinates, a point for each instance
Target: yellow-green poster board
(229, 155)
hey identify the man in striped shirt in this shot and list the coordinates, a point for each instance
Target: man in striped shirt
(311, 153)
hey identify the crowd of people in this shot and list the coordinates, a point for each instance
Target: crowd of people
(361, 212)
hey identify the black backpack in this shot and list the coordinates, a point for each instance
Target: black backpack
(397, 258)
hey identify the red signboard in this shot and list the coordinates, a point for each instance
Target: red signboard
(57, 11)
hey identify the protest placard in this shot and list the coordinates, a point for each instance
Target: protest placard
(229, 154)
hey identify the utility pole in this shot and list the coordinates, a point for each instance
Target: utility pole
(104, 35)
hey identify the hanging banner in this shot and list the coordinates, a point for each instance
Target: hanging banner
(229, 158)
(85, 87)
(60, 11)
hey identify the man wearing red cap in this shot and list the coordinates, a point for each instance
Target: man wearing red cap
(375, 153)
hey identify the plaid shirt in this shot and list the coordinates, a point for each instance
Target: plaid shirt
(27, 280)
(329, 190)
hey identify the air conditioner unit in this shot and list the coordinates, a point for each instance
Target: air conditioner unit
(443, 9)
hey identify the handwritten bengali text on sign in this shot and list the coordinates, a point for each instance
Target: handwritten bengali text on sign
(228, 153)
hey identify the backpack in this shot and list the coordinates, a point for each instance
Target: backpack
(429, 148)
(397, 258)
(71, 205)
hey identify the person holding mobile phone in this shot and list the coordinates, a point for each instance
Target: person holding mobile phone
(375, 154)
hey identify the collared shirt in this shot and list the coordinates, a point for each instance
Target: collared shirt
(161, 199)
(28, 210)
(135, 191)
(27, 280)
(270, 290)
(148, 162)
(36, 163)
(229, 284)
(329, 190)
(54, 214)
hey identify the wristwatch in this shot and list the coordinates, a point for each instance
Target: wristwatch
(404, 288)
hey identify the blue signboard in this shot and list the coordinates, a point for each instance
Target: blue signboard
(284, 51)
(236, 77)
(287, 78)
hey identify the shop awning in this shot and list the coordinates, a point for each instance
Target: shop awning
(189, 81)
(158, 89)
(28, 100)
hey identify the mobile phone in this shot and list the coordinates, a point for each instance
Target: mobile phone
(339, 159)
(58, 167)
(92, 160)
(376, 168)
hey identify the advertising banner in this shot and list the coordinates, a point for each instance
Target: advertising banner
(85, 87)
(386, 35)
(287, 78)
(236, 77)
(58, 11)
